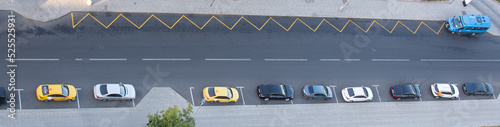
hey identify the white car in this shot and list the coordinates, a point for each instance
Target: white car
(110, 91)
(444, 90)
(351, 94)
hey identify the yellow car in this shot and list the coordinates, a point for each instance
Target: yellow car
(56, 92)
(220, 94)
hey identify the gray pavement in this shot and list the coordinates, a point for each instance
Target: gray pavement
(427, 113)
(371, 9)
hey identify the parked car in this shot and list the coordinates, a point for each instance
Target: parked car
(275, 91)
(444, 90)
(317, 92)
(479, 88)
(351, 94)
(405, 91)
(56, 92)
(2, 96)
(114, 91)
(220, 94)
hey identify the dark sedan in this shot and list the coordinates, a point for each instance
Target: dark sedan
(274, 91)
(405, 91)
(478, 89)
(2, 96)
(317, 92)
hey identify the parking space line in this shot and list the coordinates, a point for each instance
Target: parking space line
(10, 65)
(133, 102)
(19, 93)
(77, 99)
(241, 91)
(191, 91)
(291, 102)
(107, 59)
(334, 93)
(22, 59)
(223, 59)
(285, 59)
(78, 59)
(498, 95)
(329, 59)
(378, 94)
(352, 60)
(166, 59)
(391, 60)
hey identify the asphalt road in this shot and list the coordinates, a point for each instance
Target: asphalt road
(188, 58)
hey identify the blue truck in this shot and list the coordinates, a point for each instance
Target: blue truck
(468, 24)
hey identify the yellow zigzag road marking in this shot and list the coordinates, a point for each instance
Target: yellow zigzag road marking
(258, 28)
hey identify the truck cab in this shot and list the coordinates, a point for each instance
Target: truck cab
(468, 24)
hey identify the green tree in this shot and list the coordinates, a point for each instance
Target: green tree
(173, 117)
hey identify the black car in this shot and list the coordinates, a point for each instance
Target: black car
(405, 91)
(2, 96)
(478, 89)
(275, 91)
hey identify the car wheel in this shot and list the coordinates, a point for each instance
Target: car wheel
(129, 100)
(266, 99)
(452, 32)
(349, 101)
(436, 97)
(309, 98)
(453, 98)
(398, 99)
(45, 101)
(415, 98)
(69, 100)
(104, 99)
(288, 99)
(473, 34)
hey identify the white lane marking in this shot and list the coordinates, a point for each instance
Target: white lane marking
(77, 99)
(460, 60)
(291, 102)
(26, 59)
(166, 59)
(191, 91)
(78, 59)
(133, 102)
(378, 94)
(285, 59)
(494, 96)
(223, 59)
(334, 93)
(19, 93)
(391, 60)
(329, 59)
(351, 59)
(241, 91)
(10, 65)
(107, 59)
(459, 97)
(498, 95)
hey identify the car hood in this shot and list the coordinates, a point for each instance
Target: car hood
(71, 91)
(489, 88)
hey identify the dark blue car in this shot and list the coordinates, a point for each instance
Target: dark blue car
(478, 89)
(275, 91)
(405, 91)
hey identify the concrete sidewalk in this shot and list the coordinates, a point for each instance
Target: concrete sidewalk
(426, 113)
(372, 9)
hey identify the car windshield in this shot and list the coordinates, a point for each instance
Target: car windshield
(436, 88)
(229, 93)
(458, 22)
(452, 89)
(65, 90)
(122, 89)
(366, 91)
(104, 89)
(351, 92)
(211, 92)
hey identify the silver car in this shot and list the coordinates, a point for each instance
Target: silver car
(110, 91)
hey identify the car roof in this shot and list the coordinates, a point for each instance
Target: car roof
(220, 91)
(358, 91)
(2, 92)
(478, 20)
(55, 88)
(317, 89)
(444, 87)
(113, 88)
(272, 88)
(403, 89)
